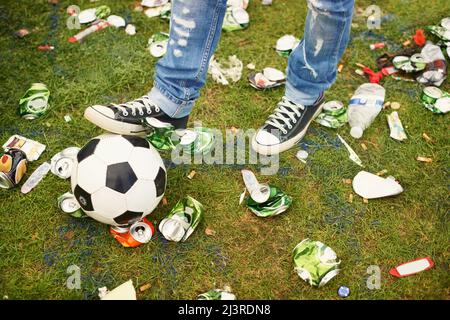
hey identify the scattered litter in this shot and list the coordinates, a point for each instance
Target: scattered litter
(191, 175)
(231, 71)
(89, 30)
(46, 47)
(302, 155)
(164, 201)
(365, 200)
(412, 267)
(396, 127)
(382, 172)
(210, 232)
(217, 294)
(343, 292)
(340, 67)
(267, 78)
(435, 100)
(395, 105)
(145, 287)
(182, 220)
(333, 115)
(163, 11)
(286, 44)
(21, 33)
(264, 200)
(157, 44)
(370, 186)
(426, 137)
(13, 166)
(34, 103)
(363, 146)
(125, 291)
(63, 162)
(31, 148)
(251, 66)
(87, 16)
(364, 106)
(424, 159)
(69, 204)
(315, 262)
(35, 178)
(378, 45)
(347, 181)
(67, 118)
(350, 198)
(130, 29)
(236, 18)
(137, 234)
(352, 154)
(153, 3)
(116, 21)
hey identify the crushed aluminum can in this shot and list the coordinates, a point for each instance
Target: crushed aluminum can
(435, 100)
(277, 203)
(286, 44)
(157, 44)
(102, 12)
(267, 78)
(62, 163)
(259, 192)
(439, 31)
(198, 141)
(395, 125)
(116, 21)
(69, 204)
(34, 103)
(315, 262)
(137, 234)
(13, 166)
(32, 149)
(35, 178)
(217, 294)
(236, 18)
(182, 220)
(445, 22)
(153, 3)
(333, 115)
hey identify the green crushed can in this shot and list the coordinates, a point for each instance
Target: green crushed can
(435, 100)
(333, 115)
(102, 12)
(315, 262)
(278, 202)
(182, 220)
(34, 103)
(217, 294)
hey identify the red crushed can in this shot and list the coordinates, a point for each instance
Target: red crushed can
(138, 233)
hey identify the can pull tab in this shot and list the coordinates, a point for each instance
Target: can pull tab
(258, 192)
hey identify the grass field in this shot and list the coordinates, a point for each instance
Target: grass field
(250, 254)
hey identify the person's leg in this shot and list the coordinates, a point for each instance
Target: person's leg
(311, 70)
(195, 29)
(312, 65)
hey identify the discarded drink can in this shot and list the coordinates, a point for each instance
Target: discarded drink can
(378, 45)
(435, 100)
(333, 115)
(286, 44)
(157, 44)
(35, 178)
(277, 203)
(32, 149)
(34, 103)
(315, 262)
(182, 220)
(267, 78)
(62, 163)
(217, 294)
(69, 204)
(259, 192)
(138, 233)
(13, 166)
(431, 94)
(236, 18)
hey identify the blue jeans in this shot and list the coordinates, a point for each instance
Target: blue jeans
(194, 34)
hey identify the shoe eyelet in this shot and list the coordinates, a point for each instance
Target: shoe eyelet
(290, 127)
(295, 121)
(141, 113)
(157, 109)
(125, 114)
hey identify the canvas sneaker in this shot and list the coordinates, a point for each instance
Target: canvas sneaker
(128, 118)
(285, 127)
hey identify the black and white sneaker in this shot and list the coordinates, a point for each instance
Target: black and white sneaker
(128, 118)
(285, 127)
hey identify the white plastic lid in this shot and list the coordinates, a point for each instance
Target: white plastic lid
(356, 132)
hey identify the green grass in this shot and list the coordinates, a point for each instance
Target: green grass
(252, 255)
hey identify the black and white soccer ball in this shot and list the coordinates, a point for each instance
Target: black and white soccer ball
(118, 179)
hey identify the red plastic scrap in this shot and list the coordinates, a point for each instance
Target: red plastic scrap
(374, 77)
(419, 38)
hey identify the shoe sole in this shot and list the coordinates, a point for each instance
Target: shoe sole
(276, 149)
(112, 125)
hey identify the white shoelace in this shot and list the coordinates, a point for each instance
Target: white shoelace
(285, 108)
(137, 106)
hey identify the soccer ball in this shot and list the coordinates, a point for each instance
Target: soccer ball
(118, 179)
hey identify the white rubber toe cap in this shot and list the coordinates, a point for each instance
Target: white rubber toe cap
(266, 139)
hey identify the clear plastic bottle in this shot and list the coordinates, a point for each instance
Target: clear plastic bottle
(364, 106)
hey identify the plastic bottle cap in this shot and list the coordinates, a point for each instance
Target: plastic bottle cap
(356, 132)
